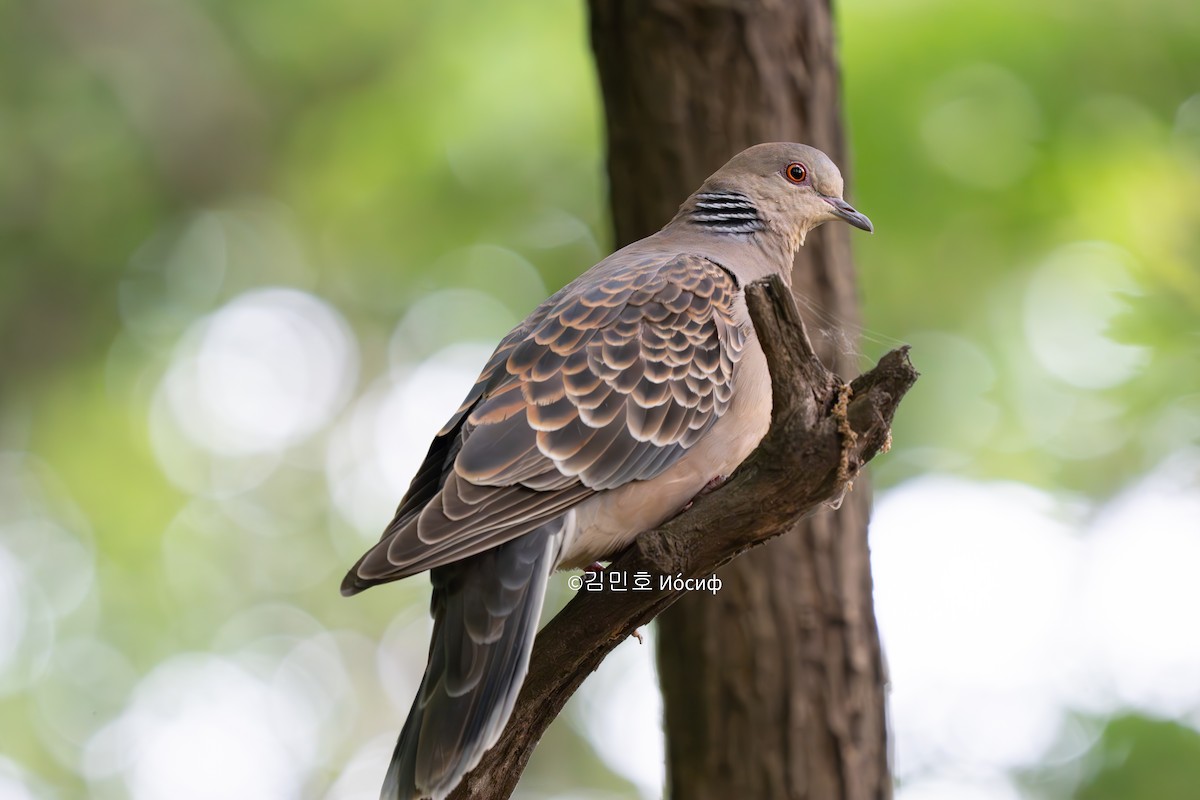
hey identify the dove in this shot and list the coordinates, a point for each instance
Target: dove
(602, 415)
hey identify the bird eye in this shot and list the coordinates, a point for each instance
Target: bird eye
(796, 173)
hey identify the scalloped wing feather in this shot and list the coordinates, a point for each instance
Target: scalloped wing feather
(609, 381)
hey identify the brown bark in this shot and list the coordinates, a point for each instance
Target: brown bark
(821, 434)
(775, 688)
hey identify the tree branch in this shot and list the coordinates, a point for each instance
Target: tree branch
(822, 433)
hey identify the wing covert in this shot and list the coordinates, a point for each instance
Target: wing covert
(610, 381)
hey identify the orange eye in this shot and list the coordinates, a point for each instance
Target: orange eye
(796, 173)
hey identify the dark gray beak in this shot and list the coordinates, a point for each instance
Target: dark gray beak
(847, 212)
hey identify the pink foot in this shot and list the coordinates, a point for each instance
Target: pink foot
(713, 484)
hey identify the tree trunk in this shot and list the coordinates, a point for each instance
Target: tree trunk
(775, 687)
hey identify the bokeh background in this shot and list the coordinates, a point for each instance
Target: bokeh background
(253, 253)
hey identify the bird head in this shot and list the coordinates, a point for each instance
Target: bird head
(782, 186)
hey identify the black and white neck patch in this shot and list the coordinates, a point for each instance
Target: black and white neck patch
(726, 212)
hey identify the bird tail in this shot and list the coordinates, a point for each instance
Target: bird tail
(485, 611)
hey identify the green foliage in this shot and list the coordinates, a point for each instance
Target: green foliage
(987, 140)
(1139, 757)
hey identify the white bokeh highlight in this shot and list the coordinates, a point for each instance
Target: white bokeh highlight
(1070, 302)
(1003, 609)
(201, 727)
(15, 784)
(47, 568)
(260, 374)
(620, 713)
(376, 450)
(994, 787)
(972, 585)
(13, 613)
(1140, 596)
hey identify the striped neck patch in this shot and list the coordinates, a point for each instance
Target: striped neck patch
(726, 212)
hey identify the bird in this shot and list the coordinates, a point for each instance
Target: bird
(602, 415)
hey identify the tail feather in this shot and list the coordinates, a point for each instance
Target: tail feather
(486, 611)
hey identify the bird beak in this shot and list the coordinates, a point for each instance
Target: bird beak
(846, 211)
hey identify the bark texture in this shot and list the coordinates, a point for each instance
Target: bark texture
(775, 687)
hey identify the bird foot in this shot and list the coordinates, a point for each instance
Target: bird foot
(714, 483)
(637, 634)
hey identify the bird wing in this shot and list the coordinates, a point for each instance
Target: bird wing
(608, 382)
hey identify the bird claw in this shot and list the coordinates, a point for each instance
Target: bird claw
(637, 634)
(714, 483)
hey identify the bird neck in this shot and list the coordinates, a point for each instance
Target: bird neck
(722, 224)
(723, 212)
